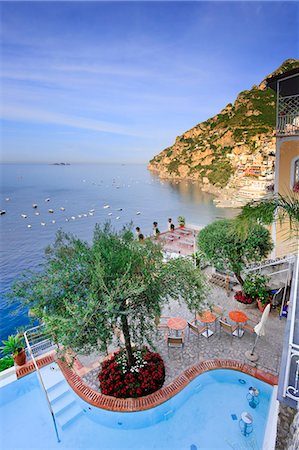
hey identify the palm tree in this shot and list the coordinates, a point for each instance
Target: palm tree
(268, 210)
(278, 208)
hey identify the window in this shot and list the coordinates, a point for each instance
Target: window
(296, 176)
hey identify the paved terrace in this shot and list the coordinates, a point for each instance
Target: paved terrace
(269, 347)
(181, 241)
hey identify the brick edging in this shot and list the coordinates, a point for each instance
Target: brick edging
(162, 395)
(29, 367)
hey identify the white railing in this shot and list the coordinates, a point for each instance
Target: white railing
(288, 125)
(287, 110)
(290, 386)
(38, 341)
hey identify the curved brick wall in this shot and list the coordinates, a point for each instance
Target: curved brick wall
(165, 393)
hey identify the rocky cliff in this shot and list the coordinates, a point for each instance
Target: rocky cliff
(237, 143)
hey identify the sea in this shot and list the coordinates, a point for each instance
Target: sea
(80, 196)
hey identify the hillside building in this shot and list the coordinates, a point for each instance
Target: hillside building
(287, 150)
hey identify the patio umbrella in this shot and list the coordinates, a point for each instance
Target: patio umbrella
(259, 331)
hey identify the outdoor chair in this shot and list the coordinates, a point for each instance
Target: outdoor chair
(218, 311)
(194, 329)
(161, 322)
(227, 328)
(175, 342)
(249, 326)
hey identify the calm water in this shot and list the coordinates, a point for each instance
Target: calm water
(205, 415)
(79, 189)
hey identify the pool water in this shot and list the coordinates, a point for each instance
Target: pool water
(205, 415)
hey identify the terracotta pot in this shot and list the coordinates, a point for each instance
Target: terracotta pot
(261, 306)
(182, 226)
(20, 358)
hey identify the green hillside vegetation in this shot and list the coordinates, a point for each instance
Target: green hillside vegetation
(252, 115)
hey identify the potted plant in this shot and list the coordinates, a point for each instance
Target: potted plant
(15, 346)
(181, 221)
(255, 286)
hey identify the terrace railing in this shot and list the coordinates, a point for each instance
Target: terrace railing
(39, 341)
(287, 113)
(291, 380)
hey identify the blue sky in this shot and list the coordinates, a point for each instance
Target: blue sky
(92, 82)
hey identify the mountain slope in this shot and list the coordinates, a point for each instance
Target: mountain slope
(236, 141)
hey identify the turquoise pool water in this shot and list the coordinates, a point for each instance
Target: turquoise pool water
(205, 415)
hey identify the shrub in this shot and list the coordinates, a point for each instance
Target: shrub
(6, 363)
(145, 377)
(255, 286)
(243, 298)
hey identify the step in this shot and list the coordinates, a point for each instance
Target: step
(69, 415)
(56, 386)
(63, 402)
(51, 375)
(56, 391)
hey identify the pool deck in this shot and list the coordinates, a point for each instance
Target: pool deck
(268, 348)
(199, 355)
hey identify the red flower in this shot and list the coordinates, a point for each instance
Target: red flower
(144, 381)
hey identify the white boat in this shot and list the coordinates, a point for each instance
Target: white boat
(92, 210)
(2, 212)
(138, 213)
(7, 199)
(34, 205)
(119, 209)
(106, 206)
(24, 216)
(117, 218)
(28, 226)
(51, 211)
(109, 214)
(73, 217)
(37, 213)
(53, 221)
(47, 199)
(43, 224)
(62, 208)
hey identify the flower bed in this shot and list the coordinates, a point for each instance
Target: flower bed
(243, 298)
(145, 377)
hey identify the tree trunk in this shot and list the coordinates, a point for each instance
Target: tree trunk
(126, 333)
(239, 278)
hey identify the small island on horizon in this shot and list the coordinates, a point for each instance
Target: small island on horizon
(60, 164)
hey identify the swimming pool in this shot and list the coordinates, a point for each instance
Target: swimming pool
(204, 415)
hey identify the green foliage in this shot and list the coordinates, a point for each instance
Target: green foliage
(173, 166)
(255, 286)
(85, 293)
(6, 363)
(266, 211)
(220, 172)
(230, 251)
(181, 220)
(13, 345)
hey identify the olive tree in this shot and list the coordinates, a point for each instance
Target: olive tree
(226, 249)
(84, 293)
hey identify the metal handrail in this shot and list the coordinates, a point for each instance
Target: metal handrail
(41, 380)
(292, 346)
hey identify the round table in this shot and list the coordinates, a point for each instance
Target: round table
(176, 323)
(207, 317)
(239, 317)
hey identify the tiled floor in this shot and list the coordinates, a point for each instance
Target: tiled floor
(269, 347)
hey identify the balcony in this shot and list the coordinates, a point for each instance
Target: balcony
(286, 86)
(287, 123)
